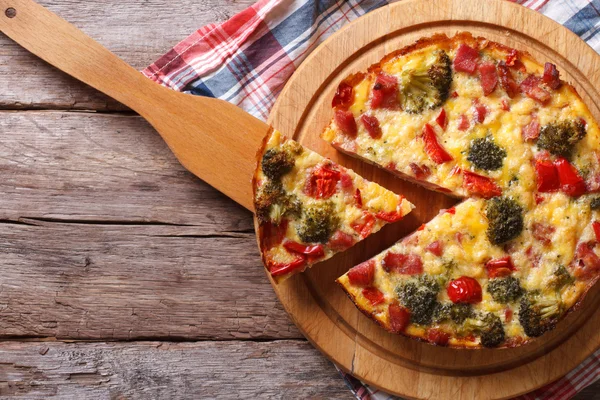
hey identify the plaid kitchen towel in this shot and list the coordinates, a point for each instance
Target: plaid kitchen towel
(248, 59)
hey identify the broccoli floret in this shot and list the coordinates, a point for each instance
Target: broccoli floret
(426, 87)
(505, 219)
(272, 203)
(456, 313)
(560, 278)
(559, 138)
(276, 163)
(489, 328)
(595, 203)
(420, 297)
(505, 290)
(485, 154)
(318, 223)
(538, 314)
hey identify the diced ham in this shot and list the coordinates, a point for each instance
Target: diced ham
(507, 81)
(420, 171)
(466, 59)
(533, 257)
(435, 248)
(542, 232)
(407, 264)
(587, 262)
(504, 104)
(463, 123)
(346, 180)
(344, 96)
(531, 131)
(551, 76)
(481, 186)
(385, 92)
(340, 241)
(480, 112)
(511, 57)
(371, 124)
(508, 315)
(437, 337)
(346, 122)
(362, 274)
(531, 87)
(488, 77)
(433, 149)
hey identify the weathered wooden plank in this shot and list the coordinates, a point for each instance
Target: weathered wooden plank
(102, 167)
(87, 281)
(160, 370)
(139, 31)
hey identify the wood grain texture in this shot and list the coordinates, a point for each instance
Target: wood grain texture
(212, 138)
(108, 237)
(138, 31)
(163, 370)
(393, 363)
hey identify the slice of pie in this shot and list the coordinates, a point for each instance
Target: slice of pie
(308, 208)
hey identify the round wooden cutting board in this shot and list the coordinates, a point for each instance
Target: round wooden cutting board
(314, 301)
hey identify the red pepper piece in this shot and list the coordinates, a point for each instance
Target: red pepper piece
(531, 87)
(278, 269)
(481, 186)
(364, 225)
(480, 112)
(499, 267)
(488, 77)
(407, 264)
(466, 59)
(551, 76)
(346, 122)
(358, 198)
(344, 96)
(385, 92)
(340, 241)
(596, 227)
(441, 119)
(508, 314)
(547, 176)
(435, 248)
(464, 290)
(322, 182)
(312, 250)
(362, 274)
(571, 182)
(433, 149)
(272, 235)
(399, 317)
(371, 124)
(507, 81)
(389, 216)
(374, 296)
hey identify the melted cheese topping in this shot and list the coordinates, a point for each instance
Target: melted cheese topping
(466, 247)
(375, 199)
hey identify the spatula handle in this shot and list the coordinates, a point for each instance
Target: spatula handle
(64, 46)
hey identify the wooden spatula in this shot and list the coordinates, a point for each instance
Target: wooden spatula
(213, 139)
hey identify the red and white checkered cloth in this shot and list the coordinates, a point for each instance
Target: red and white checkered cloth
(248, 59)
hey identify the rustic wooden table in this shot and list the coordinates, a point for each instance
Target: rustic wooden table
(124, 276)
